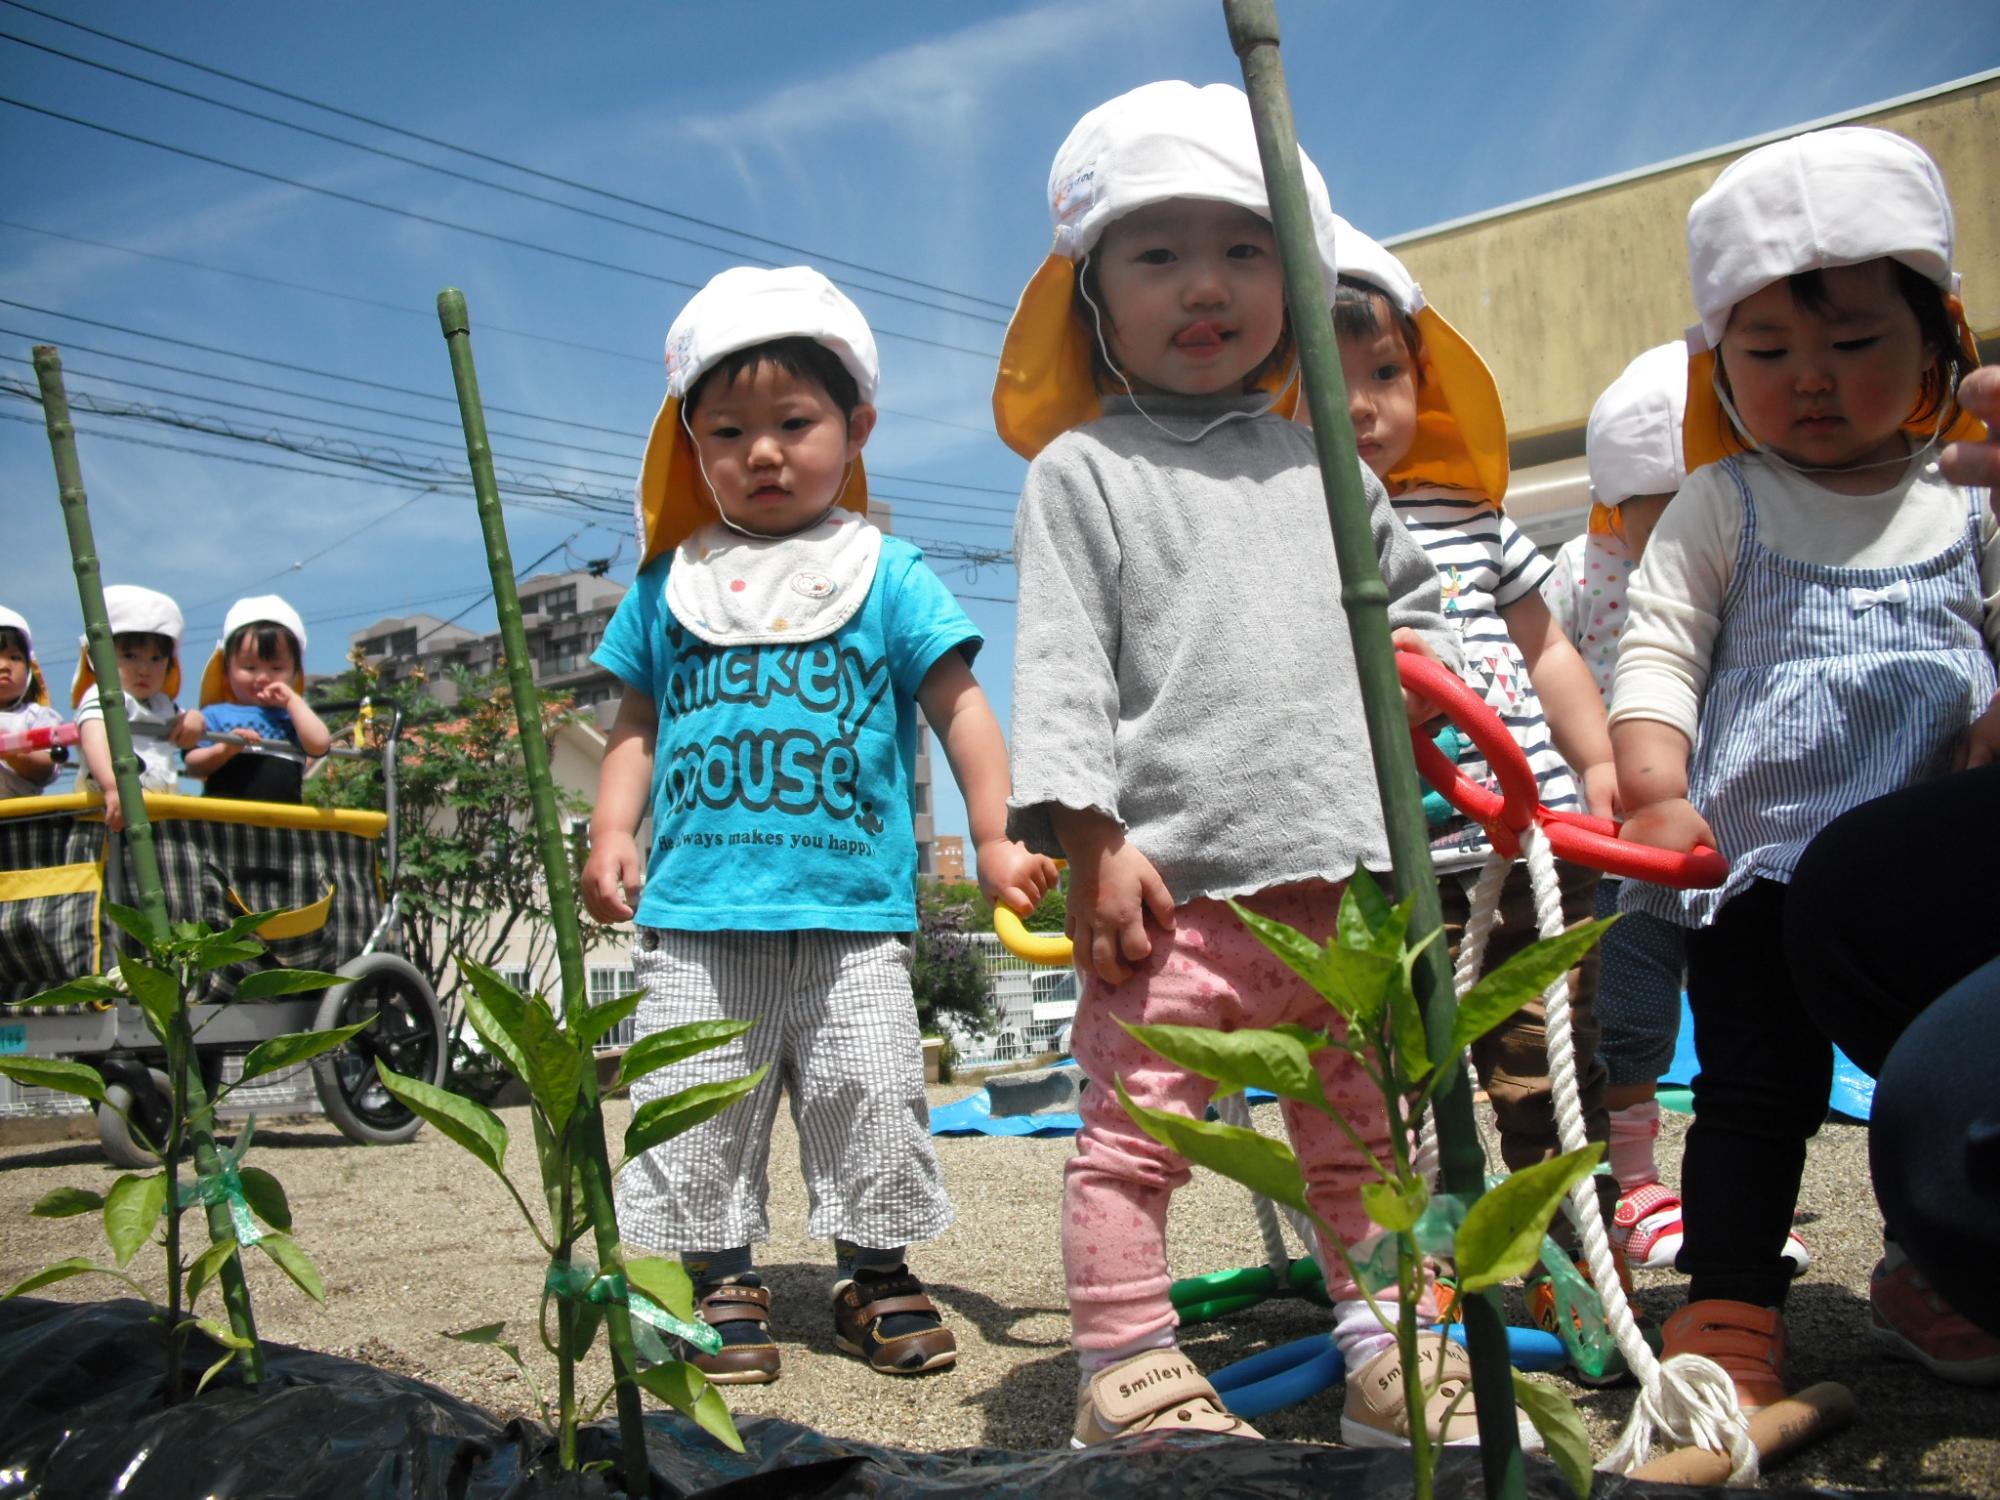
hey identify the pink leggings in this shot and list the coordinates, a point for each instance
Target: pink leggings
(1210, 971)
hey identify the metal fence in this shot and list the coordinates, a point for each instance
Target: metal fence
(1033, 1005)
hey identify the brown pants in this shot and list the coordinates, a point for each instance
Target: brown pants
(1513, 1058)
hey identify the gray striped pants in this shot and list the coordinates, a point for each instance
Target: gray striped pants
(835, 1022)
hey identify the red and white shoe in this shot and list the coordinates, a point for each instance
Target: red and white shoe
(1797, 1254)
(1647, 1227)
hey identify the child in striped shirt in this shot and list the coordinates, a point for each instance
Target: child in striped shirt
(1427, 420)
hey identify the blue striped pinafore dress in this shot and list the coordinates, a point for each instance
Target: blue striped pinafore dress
(1829, 686)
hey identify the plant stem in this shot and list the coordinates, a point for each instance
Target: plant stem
(1253, 32)
(138, 835)
(594, 1167)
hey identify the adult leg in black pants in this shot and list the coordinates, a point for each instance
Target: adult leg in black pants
(1891, 909)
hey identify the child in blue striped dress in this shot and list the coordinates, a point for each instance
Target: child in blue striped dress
(1813, 625)
(1427, 420)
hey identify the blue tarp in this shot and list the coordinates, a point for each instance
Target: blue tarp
(973, 1115)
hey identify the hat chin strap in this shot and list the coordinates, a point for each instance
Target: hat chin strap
(846, 474)
(1808, 470)
(1097, 326)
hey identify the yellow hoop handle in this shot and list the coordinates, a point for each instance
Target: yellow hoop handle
(1051, 948)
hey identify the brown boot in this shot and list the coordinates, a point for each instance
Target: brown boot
(885, 1318)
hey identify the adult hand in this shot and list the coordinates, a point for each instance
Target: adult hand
(1978, 463)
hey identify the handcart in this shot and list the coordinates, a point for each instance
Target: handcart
(328, 872)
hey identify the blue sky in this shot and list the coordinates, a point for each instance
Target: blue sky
(910, 138)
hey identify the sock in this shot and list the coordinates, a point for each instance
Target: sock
(849, 1257)
(1090, 1361)
(1359, 1333)
(1633, 1130)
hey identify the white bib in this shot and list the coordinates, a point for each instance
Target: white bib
(735, 590)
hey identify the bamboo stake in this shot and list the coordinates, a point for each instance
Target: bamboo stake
(588, 1128)
(1253, 32)
(138, 838)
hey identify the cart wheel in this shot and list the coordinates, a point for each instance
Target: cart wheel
(151, 1112)
(408, 1035)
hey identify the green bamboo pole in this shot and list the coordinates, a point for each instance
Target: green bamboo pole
(1253, 32)
(138, 835)
(588, 1131)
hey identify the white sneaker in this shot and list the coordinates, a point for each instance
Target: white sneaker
(1158, 1391)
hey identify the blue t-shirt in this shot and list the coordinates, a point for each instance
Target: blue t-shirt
(783, 776)
(269, 723)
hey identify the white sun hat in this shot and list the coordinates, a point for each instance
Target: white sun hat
(1633, 440)
(739, 309)
(132, 610)
(1828, 198)
(259, 609)
(14, 620)
(1461, 437)
(1160, 141)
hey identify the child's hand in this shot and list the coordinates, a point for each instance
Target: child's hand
(1417, 709)
(187, 729)
(612, 877)
(1982, 737)
(1600, 789)
(276, 695)
(114, 815)
(1671, 824)
(1011, 876)
(1112, 888)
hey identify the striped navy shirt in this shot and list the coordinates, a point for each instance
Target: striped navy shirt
(1484, 564)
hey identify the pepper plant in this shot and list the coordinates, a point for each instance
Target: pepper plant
(1364, 973)
(551, 1059)
(248, 1202)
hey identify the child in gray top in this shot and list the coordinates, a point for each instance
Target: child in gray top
(1187, 720)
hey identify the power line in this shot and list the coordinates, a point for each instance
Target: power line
(485, 182)
(500, 161)
(432, 219)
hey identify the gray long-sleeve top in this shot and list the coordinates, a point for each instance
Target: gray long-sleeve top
(1182, 663)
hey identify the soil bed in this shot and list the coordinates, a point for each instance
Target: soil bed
(415, 1240)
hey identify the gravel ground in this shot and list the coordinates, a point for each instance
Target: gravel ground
(415, 1240)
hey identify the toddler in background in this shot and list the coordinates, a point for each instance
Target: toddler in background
(24, 704)
(1813, 625)
(254, 688)
(1427, 420)
(146, 631)
(1185, 703)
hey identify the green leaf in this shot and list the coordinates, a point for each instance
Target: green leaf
(206, 1266)
(133, 921)
(655, 1051)
(89, 989)
(1350, 980)
(223, 1334)
(131, 1209)
(295, 1047)
(213, 953)
(1363, 910)
(1395, 1208)
(1562, 1430)
(1262, 1164)
(496, 1010)
(267, 984)
(473, 1126)
(214, 1370)
(285, 1251)
(599, 1019)
(1406, 1028)
(54, 1073)
(244, 928)
(665, 1281)
(66, 1203)
(1502, 1232)
(266, 1197)
(489, 1334)
(555, 1068)
(1274, 1060)
(1523, 978)
(662, 1119)
(157, 993)
(62, 1270)
(684, 1388)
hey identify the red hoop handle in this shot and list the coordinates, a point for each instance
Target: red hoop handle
(1573, 836)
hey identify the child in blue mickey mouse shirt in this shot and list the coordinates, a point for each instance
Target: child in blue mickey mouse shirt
(775, 648)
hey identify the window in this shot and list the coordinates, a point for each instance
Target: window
(520, 978)
(553, 665)
(557, 603)
(610, 984)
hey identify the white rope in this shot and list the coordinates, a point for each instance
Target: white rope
(1688, 1400)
